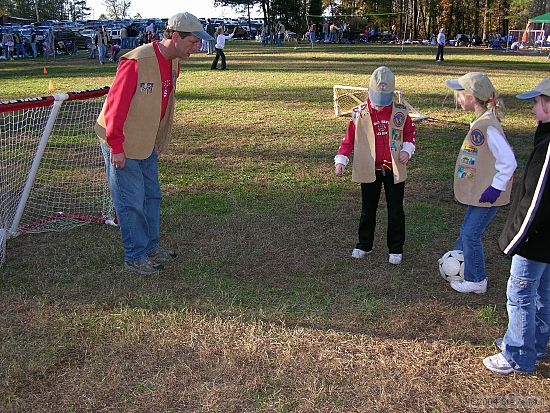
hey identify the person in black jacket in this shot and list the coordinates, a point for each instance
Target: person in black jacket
(526, 236)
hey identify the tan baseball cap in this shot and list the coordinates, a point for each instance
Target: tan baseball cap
(187, 23)
(475, 83)
(382, 86)
(543, 88)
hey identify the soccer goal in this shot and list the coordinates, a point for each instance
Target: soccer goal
(52, 173)
(348, 97)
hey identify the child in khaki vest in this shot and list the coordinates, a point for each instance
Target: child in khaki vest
(383, 138)
(483, 174)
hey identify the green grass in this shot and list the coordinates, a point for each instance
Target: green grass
(264, 311)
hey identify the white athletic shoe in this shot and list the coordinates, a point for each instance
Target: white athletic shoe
(498, 364)
(357, 253)
(395, 259)
(470, 286)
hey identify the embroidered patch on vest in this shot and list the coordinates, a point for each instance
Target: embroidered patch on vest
(470, 150)
(465, 172)
(399, 119)
(146, 87)
(468, 160)
(477, 137)
(396, 135)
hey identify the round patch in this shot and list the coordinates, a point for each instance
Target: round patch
(477, 138)
(399, 119)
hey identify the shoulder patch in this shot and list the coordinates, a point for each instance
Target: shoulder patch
(399, 119)
(477, 138)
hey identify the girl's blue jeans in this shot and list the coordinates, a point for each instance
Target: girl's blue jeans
(476, 220)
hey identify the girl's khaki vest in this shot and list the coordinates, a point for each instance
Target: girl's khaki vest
(143, 129)
(475, 165)
(364, 151)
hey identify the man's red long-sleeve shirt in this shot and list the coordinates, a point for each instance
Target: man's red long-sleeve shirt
(121, 94)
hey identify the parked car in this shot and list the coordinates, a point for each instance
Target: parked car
(69, 41)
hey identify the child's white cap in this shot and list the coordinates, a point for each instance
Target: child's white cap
(382, 86)
(476, 84)
(543, 88)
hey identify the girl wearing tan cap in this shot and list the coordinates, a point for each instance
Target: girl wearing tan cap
(483, 174)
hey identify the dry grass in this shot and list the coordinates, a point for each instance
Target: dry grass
(263, 311)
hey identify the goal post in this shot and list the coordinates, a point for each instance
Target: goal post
(346, 98)
(52, 173)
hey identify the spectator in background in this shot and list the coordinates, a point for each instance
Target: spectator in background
(101, 40)
(220, 45)
(333, 33)
(48, 45)
(132, 36)
(123, 38)
(280, 30)
(440, 45)
(32, 40)
(115, 50)
(211, 30)
(312, 33)
(367, 34)
(7, 43)
(326, 29)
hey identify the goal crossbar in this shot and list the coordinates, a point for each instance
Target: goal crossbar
(346, 98)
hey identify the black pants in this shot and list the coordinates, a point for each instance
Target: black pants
(439, 55)
(370, 194)
(219, 53)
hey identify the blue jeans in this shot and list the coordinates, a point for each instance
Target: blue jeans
(476, 220)
(101, 51)
(136, 194)
(312, 38)
(280, 38)
(528, 307)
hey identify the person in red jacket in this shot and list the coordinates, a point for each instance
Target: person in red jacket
(383, 138)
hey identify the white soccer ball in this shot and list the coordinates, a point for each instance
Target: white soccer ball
(295, 48)
(451, 266)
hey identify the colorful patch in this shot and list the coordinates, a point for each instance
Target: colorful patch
(469, 150)
(468, 160)
(146, 87)
(393, 146)
(399, 119)
(465, 173)
(396, 135)
(477, 137)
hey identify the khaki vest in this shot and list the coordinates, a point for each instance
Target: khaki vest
(475, 165)
(364, 151)
(143, 129)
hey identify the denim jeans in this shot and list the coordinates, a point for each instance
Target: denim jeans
(476, 220)
(101, 51)
(528, 307)
(34, 51)
(136, 194)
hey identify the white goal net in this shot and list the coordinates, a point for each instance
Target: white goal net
(348, 97)
(52, 173)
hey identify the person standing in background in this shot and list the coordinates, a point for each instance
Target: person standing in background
(441, 39)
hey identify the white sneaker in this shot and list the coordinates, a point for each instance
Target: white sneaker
(498, 364)
(357, 253)
(470, 286)
(395, 259)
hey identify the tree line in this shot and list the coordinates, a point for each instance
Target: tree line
(419, 18)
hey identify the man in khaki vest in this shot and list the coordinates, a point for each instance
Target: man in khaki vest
(134, 127)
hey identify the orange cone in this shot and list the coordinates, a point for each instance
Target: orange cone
(45, 70)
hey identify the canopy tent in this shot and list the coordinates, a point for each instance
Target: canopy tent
(543, 18)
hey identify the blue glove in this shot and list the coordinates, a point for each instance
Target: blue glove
(490, 195)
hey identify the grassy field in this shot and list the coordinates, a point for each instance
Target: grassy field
(264, 310)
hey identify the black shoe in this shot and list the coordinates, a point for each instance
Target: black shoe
(213, 68)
